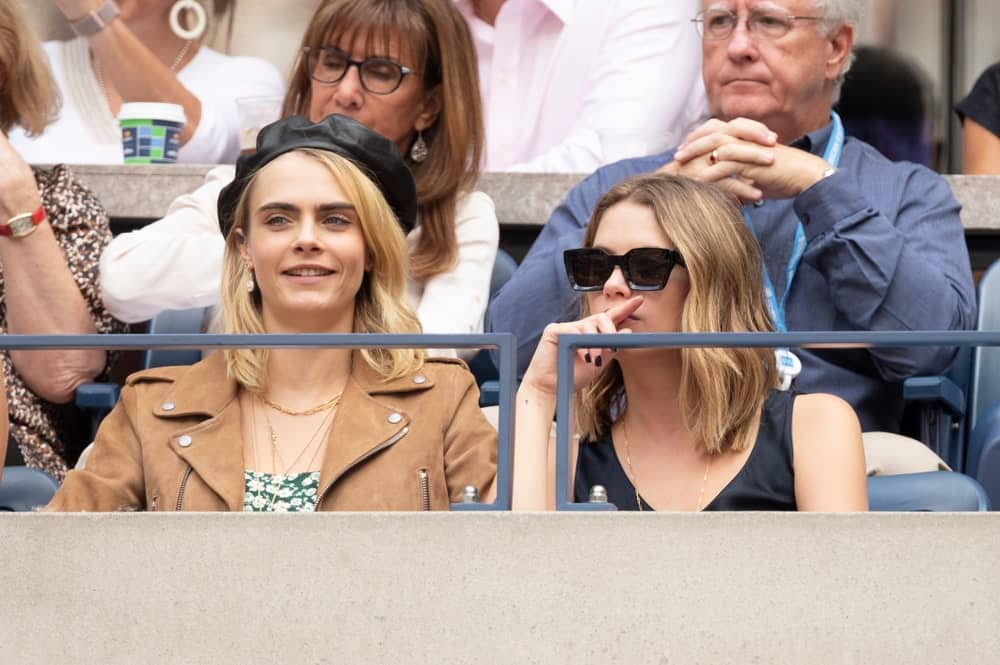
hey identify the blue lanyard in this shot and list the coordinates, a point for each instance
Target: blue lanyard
(834, 148)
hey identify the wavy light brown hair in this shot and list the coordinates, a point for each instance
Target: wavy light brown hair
(434, 34)
(722, 389)
(28, 94)
(379, 306)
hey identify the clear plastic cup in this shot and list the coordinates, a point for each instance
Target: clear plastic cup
(255, 113)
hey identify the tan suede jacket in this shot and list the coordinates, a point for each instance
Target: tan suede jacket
(174, 442)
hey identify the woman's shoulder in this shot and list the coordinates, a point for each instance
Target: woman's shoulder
(63, 196)
(441, 369)
(208, 370)
(475, 201)
(823, 423)
(235, 69)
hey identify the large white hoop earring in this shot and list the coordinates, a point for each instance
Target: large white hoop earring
(201, 19)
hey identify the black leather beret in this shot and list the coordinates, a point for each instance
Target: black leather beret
(374, 154)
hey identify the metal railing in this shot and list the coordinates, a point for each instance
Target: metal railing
(569, 343)
(503, 342)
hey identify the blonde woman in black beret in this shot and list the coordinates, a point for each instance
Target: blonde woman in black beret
(313, 244)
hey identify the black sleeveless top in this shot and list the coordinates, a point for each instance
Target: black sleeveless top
(766, 481)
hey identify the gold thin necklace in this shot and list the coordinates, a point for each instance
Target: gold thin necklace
(328, 404)
(281, 477)
(635, 477)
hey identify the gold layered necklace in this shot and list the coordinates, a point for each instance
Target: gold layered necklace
(328, 404)
(635, 477)
(281, 476)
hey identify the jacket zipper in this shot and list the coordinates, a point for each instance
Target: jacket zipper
(425, 490)
(382, 446)
(180, 492)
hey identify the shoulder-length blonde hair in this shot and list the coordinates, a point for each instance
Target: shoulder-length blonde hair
(722, 389)
(434, 34)
(379, 306)
(28, 96)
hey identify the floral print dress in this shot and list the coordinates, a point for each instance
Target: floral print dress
(276, 493)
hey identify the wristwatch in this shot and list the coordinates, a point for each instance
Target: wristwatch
(95, 21)
(22, 225)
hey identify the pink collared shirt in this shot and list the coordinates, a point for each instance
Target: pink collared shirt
(571, 85)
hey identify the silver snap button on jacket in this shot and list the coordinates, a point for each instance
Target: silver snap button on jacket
(184, 441)
(394, 418)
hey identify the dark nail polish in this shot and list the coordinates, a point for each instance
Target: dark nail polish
(586, 357)
(597, 361)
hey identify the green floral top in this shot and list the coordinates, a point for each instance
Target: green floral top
(292, 493)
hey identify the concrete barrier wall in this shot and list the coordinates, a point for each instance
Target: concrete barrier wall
(500, 588)
(522, 199)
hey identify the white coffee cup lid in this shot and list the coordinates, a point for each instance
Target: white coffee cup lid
(152, 111)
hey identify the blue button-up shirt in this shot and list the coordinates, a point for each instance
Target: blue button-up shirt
(885, 251)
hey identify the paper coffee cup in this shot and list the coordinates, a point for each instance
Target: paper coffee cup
(151, 132)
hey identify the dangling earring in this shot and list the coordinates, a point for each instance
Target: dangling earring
(419, 151)
(200, 19)
(251, 285)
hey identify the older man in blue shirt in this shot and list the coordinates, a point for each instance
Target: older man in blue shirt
(868, 244)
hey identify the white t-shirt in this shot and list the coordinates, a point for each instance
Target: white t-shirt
(87, 133)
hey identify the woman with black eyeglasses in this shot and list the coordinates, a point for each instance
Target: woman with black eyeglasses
(680, 429)
(405, 69)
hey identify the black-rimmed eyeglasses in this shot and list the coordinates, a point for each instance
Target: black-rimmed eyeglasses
(380, 76)
(718, 24)
(644, 268)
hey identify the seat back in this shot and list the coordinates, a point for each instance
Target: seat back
(937, 491)
(175, 321)
(23, 489)
(503, 269)
(985, 388)
(481, 365)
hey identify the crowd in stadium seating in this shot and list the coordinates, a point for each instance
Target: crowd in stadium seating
(727, 196)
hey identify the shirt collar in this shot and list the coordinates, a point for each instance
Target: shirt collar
(815, 141)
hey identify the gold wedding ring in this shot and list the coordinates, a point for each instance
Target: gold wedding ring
(713, 157)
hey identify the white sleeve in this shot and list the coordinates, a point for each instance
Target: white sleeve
(643, 98)
(455, 301)
(216, 140)
(173, 263)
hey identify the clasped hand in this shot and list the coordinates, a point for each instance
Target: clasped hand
(744, 157)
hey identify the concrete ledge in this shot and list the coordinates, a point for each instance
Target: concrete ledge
(500, 588)
(522, 199)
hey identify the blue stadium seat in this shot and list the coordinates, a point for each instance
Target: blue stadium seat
(99, 398)
(936, 491)
(23, 489)
(481, 365)
(961, 411)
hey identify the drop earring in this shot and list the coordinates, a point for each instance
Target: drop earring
(419, 151)
(251, 285)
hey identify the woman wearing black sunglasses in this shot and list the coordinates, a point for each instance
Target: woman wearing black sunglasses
(681, 429)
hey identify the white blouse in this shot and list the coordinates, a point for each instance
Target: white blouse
(176, 263)
(86, 132)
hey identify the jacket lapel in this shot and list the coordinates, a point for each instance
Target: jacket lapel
(213, 447)
(365, 425)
